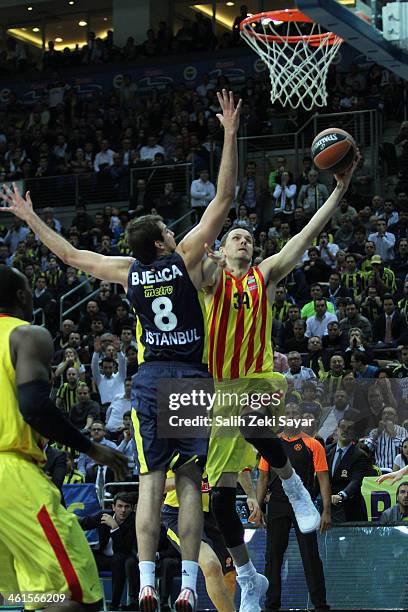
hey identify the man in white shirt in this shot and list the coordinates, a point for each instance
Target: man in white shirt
(387, 438)
(202, 191)
(148, 152)
(103, 159)
(119, 405)
(297, 372)
(108, 382)
(384, 241)
(317, 324)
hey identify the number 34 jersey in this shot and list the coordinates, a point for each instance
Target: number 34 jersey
(240, 327)
(171, 321)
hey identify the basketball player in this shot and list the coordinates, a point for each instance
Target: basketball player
(213, 554)
(43, 550)
(240, 358)
(162, 282)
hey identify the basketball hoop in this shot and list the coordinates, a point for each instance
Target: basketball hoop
(298, 52)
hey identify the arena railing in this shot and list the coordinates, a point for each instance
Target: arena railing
(70, 189)
(365, 126)
(184, 224)
(37, 313)
(72, 292)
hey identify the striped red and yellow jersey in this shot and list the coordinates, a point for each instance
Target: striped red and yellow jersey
(240, 327)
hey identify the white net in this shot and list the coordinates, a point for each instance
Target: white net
(298, 67)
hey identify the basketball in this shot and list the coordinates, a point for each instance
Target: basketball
(334, 150)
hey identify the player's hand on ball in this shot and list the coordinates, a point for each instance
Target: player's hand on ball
(343, 179)
(110, 457)
(393, 477)
(218, 257)
(16, 203)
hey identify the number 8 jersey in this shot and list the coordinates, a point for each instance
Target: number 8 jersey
(171, 320)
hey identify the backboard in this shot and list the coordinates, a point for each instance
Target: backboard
(377, 29)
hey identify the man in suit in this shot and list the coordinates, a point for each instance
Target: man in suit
(117, 548)
(253, 190)
(390, 327)
(56, 465)
(347, 468)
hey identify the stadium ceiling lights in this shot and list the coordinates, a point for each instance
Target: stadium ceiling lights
(29, 8)
(36, 29)
(82, 23)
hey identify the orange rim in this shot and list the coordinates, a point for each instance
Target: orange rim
(287, 15)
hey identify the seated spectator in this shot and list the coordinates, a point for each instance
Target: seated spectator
(71, 360)
(297, 372)
(333, 378)
(357, 248)
(131, 361)
(293, 315)
(342, 210)
(280, 362)
(56, 465)
(328, 250)
(61, 339)
(252, 190)
(401, 460)
(92, 311)
(369, 451)
(202, 192)
(284, 194)
(359, 363)
(399, 264)
(347, 468)
(401, 373)
(298, 342)
(371, 306)
(314, 356)
(122, 318)
(314, 268)
(97, 431)
(352, 279)
(354, 319)
(317, 324)
(127, 446)
(316, 293)
(72, 475)
(118, 407)
(345, 235)
(313, 195)
(334, 340)
(381, 277)
(104, 159)
(67, 394)
(384, 241)
(399, 511)
(148, 152)
(387, 438)
(356, 342)
(117, 547)
(310, 403)
(337, 412)
(335, 289)
(85, 411)
(390, 327)
(281, 306)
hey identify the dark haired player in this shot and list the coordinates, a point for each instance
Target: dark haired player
(239, 302)
(42, 548)
(162, 280)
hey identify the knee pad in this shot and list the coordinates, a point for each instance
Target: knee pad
(224, 509)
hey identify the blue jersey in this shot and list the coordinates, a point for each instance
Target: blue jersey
(171, 321)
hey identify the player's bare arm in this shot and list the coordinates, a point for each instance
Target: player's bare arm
(31, 350)
(278, 266)
(192, 246)
(112, 269)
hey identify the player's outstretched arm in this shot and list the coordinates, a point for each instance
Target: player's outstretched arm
(212, 221)
(112, 269)
(31, 350)
(278, 266)
(393, 477)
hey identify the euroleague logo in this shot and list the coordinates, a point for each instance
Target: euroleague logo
(322, 142)
(297, 447)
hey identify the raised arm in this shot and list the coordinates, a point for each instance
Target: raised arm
(112, 269)
(192, 246)
(278, 266)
